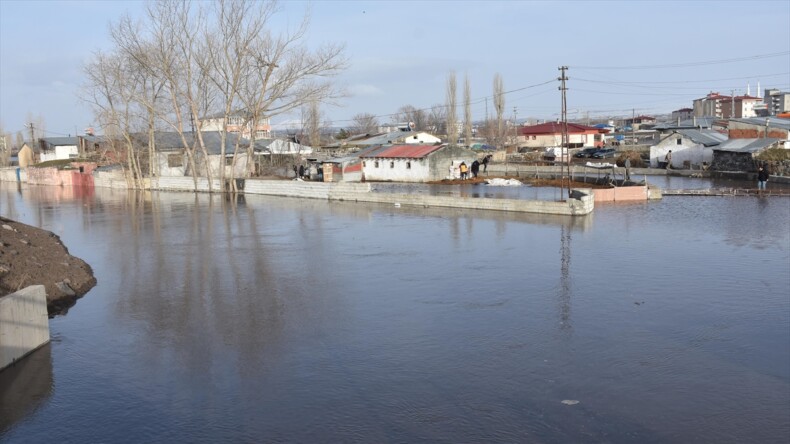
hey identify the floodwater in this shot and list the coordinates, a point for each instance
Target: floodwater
(264, 319)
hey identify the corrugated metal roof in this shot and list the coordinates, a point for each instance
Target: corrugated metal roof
(385, 138)
(60, 141)
(746, 145)
(706, 137)
(405, 151)
(773, 122)
(556, 128)
(699, 122)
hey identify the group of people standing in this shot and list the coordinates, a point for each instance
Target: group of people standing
(464, 169)
(474, 169)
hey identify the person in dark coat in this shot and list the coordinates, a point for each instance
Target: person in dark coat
(486, 159)
(475, 168)
(301, 171)
(762, 179)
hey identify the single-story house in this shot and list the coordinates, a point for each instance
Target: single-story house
(27, 155)
(57, 148)
(550, 134)
(692, 145)
(346, 168)
(739, 154)
(414, 163)
(171, 157)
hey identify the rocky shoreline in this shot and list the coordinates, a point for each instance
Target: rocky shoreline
(32, 256)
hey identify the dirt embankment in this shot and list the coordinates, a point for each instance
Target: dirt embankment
(31, 256)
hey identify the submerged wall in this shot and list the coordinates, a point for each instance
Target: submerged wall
(24, 325)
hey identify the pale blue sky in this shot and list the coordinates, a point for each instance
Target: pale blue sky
(653, 57)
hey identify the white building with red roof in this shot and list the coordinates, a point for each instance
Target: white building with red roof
(414, 163)
(550, 134)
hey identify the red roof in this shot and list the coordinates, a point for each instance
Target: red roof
(556, 128)
(406, 151)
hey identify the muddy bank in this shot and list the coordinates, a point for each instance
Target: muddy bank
(30, 256)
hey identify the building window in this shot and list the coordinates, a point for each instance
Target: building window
(408, 165)
(173, 160)
(680, 142)
(392, 164)
(376, 164)
(228, 160)
(533, 137)
(364, 164)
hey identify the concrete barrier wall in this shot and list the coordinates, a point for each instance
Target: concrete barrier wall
(185, 183)
(621, 194)
(110, 179)
(24, 325)
(8, 174)
(582, 202)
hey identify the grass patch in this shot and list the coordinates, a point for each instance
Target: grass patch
(774, 155)
(58, 163)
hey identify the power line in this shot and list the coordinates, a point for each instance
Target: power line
(617, 82)
(682, 65)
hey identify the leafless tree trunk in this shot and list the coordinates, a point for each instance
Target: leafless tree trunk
(314, 125)
(499, 106)
(452, 125)
(467, 112)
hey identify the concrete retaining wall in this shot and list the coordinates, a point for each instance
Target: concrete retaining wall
(8, 174)
(621, 194)
(185, 183)
(24, 325)
(582, 202)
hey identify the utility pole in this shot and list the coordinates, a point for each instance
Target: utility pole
(32, 139)
(564, 145)
(515, 126)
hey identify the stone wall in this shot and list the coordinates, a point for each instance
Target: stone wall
(730, 161)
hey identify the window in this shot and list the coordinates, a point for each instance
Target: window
(173, 160)
(376, 164)
(392, 164)
(228, 160)
(533, 137)
(408, 165)
(364, 164)
(680, 141)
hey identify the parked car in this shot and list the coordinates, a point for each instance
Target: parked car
(587, 152)
(604, 153)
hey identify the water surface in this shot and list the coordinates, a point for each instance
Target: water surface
(266, 319)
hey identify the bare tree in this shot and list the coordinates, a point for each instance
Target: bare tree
(452, 125)
(218, 57)
(364, 123)
(437, 118)
(467, 112)
(410, 114)
(499, 106)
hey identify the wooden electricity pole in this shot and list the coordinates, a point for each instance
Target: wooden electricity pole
(564, 145)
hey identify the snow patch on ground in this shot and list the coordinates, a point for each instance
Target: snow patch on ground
(497, 182)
